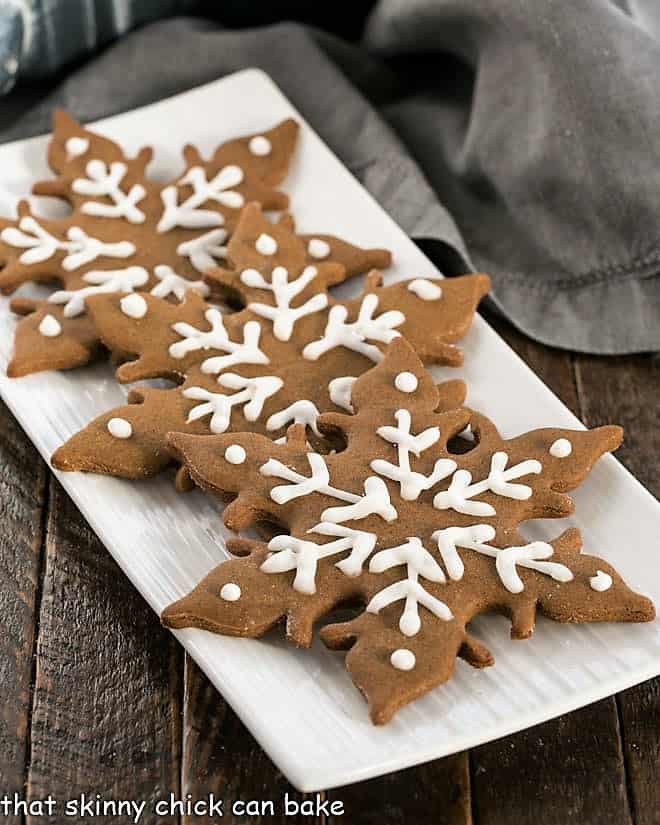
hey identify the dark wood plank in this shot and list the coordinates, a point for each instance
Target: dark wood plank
(22, 498)
(570, 769)
(627, 391)
(220, 756)
(106, 715)
(437, 793)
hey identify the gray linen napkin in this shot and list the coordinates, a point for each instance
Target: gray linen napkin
(534, 125)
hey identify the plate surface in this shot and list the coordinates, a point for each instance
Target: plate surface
(301, 705)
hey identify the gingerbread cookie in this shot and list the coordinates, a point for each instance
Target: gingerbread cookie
(291, 352)
(422, 538)
(125, 232)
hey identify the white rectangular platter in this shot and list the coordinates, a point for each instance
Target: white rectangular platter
(301, 705)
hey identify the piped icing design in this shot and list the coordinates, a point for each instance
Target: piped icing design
(50, 327)
(406, 382)
(260, 146)
(120, 428)
(115, 212)
(318, 249)
(205, 344)
(133, 305)
(361, 526)
(561, 448)
(425, 289)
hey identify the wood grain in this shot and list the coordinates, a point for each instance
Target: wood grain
(570, 769)
(106, 712)
(437, 793)
(115, 712)
(220, 756)
(627, 390)
(22, 498)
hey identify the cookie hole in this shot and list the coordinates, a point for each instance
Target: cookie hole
(227, 297)
(462, 442)
(346, 611)
(267, 529)
(334, 440)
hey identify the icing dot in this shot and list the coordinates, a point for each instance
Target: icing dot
(601, 581)
(120, 428)
(403, 659)
(235, 454)
(406, 382)
(318, 249)
(230, 592)
(49, 326)
(340, 390)
(260, 146)
(266, 245)
(561, 448)
(75, 147)
(134, 306)
(424, 289)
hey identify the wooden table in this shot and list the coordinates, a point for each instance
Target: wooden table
(96, 698)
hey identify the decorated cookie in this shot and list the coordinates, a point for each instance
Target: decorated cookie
(126, 233)
(422, 537)
(291, 353)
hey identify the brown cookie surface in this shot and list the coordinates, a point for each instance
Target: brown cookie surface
(127, 233)
(289, 354)
(421, 537)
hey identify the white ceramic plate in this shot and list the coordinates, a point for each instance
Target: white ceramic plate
(301, 705)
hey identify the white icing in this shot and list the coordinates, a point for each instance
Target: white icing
(300, 412)
(260, 146)
(411, 483)
(318, 249)
(418, 562)
(283, 315)
(75, 147)
(531, 555)
(266, 245)
(375, 501)
(245, 352)
(290, 553)
(403, 659)
(120, 428)
(81, 248)
(230, 592)
(106, 280)
(188, 214)
(170, 283)
(354, 335)
(499, 480)
(251, 392)
(340, 390)
(425, 289)
(472, 538)
(406, 382)
(206, 250)
(133, 305)
(102, 181)
(561, 448)
(467, 434)
(600, 582)
(235, 454)
(50, 327)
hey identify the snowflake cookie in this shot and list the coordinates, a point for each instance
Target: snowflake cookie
(417, 536)
(126, 233)
(290, 353)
